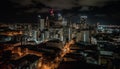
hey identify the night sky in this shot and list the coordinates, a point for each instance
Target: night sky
(103, 11)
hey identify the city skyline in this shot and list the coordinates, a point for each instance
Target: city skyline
(58, 34)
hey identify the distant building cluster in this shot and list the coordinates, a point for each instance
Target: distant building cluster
(55, 42)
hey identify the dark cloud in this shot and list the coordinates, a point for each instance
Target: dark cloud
(44, 5)
(31, 6)
(64, 4)
(22, 2)
(98, 8)
(85, 8)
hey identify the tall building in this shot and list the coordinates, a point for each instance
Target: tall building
(83, 36)
(84, 32)
(83, 22)
(83, 19)
(55, 25)
(42, 24)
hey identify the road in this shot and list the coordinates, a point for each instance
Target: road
(54, 64)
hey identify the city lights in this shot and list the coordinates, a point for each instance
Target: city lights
(59, 34)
